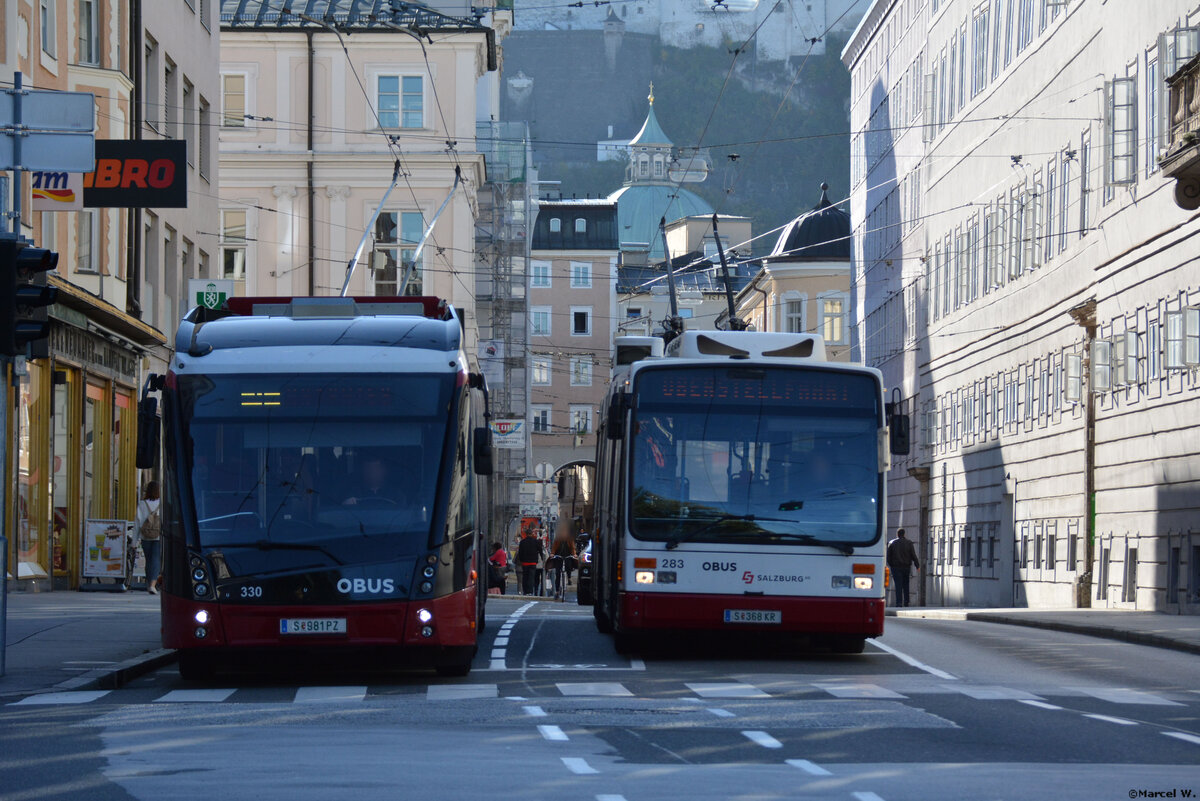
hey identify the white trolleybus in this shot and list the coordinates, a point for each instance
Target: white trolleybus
(320, 490)
(740, 487)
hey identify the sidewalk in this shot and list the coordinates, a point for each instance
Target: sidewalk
(1177, 632)
(61, 641)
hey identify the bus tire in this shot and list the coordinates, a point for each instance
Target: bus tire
(457, 668)
(603, 622)
(583, 595)
(196, 667)
(849, 645)
(625, 642)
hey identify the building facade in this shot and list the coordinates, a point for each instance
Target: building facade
(312, 135)
(1024, 278)
(572, 319)
(803, 286)
(121, 271)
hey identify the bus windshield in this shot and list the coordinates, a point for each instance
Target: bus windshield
(295, 470)
(755, 455)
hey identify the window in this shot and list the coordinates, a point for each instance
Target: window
(539, 321)
(233, 100)
(88, 29)
(979, 73)
(540, 417)
(1125, 359)
(833, 320)
(170, 113)
(581, 371)
(401, 101)
(555, 225)
(1191, 336)
(1129, 590)
(539, 370)
(1101, 365)
(46, 17)
(633, 313)
(793, 316)
(581, 419)
(658, 168)
(189, 120)
(233, 244)
(396, 237)
(187, 259)
(687, 313)
(1153, 98)
(581, 273)
(539, 274)
(581, 321)
(1121, 130)
(1073, 389)
(202, 156)
(580, 225)
(87, 241)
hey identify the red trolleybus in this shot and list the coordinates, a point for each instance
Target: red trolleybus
(320, 484)
(740, 487)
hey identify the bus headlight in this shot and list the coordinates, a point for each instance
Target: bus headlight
(841, 582)
(201, 632)
(426, 586)
(427, 631)
(644, 577)
(424, 615)
(201, 590)
(199, 574)
(202, 616)
(863, 582)
(428, 571)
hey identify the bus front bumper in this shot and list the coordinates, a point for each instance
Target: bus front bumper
(796, 615)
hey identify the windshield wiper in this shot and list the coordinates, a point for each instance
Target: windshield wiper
(844, 548)
(269, 545)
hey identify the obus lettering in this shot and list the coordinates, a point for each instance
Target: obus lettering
(130, 173)
(720, 567)
(370, 586)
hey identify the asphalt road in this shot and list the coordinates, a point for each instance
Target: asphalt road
(933, 710)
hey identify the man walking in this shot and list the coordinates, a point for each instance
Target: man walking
(529, 553)
(901, 559)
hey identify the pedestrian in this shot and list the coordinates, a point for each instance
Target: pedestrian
(529, 553)
(901, 559)
(149, 531)
(563, 551)
(497, 568)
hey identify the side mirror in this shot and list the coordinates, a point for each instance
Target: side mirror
(899, 440)
(614, 422)
(482, 442)
(148, 431)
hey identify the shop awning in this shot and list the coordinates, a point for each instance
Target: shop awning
(106, 314)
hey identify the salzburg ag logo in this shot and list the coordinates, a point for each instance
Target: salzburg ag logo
(748, 577)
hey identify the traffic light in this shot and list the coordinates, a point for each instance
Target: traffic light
(24, 297)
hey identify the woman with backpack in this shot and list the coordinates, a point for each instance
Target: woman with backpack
(149, 530)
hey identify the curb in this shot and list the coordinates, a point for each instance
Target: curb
(116, 676)
(1103, 632)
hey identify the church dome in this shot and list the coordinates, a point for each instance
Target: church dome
(822, 234)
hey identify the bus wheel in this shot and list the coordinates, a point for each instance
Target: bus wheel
(603, 622)
(196, 667)
(583, 595)
(849, 645)
(626, 642)
(456, 667)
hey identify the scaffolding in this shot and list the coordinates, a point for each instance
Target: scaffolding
(501, 291)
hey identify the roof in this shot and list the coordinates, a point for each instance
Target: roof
(354, 15)
(692, 272)
(600, 228)
(640, 206)
(822, 234)
(651, 132)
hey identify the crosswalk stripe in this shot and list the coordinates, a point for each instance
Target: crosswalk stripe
(578, 765)
(195, 696)
(460, 692)
(1110, 719)
(553, 733)
(995, 693)
(853, 690)
(808, 767)
(731, 689)
(606, 688)
(762, 738)
(309, 695)
(1187, 738)
(1121, 695)
(1040, 704)
(75, 697)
